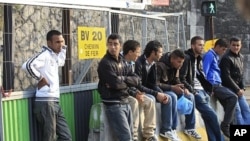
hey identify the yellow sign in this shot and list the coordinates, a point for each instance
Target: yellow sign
(91, 42)
(209, 44)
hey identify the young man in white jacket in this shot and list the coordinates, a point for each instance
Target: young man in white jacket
(44, 68)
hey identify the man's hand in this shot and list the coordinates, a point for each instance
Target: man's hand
(178, 88)
(163, 98)
(240, 92)
(42, 83)
(186, 91)
(139, 96)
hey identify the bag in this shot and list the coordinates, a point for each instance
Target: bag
(95, 122)
(184, 105)
(99, 129)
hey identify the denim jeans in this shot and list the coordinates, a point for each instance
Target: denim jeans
(202, 102)
(190, 119)
(121, 120)
(169, 113)
(228, 100)
(242, 111)
(51, 121)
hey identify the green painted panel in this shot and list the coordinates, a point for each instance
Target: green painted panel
(67, 104)
(96, 96)
(16, 120)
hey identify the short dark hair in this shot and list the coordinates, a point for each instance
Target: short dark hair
(177, 53)
(52, 33)
(114, 36)
(221, 43)
(130, 45)
(151, 46)
(195, 38)
(234, 39)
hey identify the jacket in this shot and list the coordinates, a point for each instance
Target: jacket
(231, 66)
(187, 72)
(148, 80)
(166, 75)
(45, 64)
(115, 78)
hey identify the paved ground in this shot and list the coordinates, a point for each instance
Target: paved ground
(247, 94)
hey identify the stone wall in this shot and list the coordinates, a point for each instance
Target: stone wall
(31, 24)
(227, 23)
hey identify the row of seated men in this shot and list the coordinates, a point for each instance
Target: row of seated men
(130, 83)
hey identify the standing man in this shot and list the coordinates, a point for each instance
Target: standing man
(113, 88)
(232, 77)
(168, 80)
(192, 76)
(44, 68)
(140, 103)
(145, 67)
(212, 73)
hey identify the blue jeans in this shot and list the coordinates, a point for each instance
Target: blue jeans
(242, 111)
(190, 119)
(228, 100)
(169, 113)
(202, 102)
(120, 120)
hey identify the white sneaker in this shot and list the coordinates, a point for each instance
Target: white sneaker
(169, 135)
(176, 135)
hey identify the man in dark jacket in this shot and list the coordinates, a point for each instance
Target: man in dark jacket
(192, 76)
(145, 67)
(168, 80)
(141, 103)
(231, 66)
(113, 88)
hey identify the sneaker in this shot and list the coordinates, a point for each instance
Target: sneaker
(151, 139)
(192, 133)
(176, 135)
(169, 135)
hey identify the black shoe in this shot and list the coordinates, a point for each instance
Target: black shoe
(225, 129)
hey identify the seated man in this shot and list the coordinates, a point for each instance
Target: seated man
(168, 80)
(192, 76)
(232, 77)
(212, 72)
(145, 67)
(141, 104)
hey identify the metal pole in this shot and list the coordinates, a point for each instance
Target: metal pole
(66, 31)
(178, 30)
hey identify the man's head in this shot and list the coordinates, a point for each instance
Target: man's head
(131, 50)
(220, 46)
(114, 43)
(153, 50)
(55, 40)
(177, 58)
(235, 45)
(197, 45)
